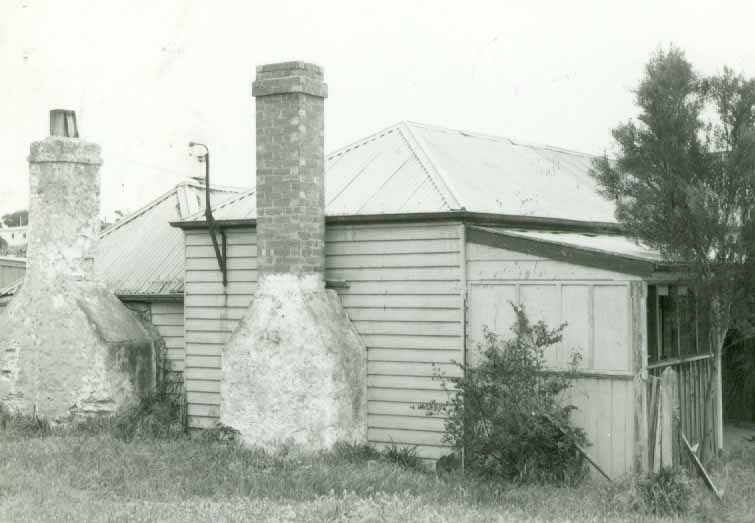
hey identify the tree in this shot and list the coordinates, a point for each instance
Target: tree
(684, 182)
(16, 219)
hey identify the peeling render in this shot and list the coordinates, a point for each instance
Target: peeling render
(68, 347)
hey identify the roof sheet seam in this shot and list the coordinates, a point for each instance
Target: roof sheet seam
(353, 178)
(398, 169)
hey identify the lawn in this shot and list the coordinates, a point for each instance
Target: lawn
(96, 477)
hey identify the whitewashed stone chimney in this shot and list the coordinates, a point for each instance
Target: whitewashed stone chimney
(294, 371)
(68, 347)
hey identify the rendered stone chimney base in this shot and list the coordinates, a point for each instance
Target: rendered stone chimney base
(294, 370)
(72, 352)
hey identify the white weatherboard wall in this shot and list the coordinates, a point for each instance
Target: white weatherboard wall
(211, 312)
(596, 305)
(403, 296)
(168, 318)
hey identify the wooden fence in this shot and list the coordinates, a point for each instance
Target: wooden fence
(694, 407)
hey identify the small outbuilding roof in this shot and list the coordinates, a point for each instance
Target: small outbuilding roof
(418, 168)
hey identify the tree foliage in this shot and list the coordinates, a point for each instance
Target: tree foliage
(684, 178)
(16, 219)
(505, 413)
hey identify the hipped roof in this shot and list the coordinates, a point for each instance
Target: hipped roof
(412, 168)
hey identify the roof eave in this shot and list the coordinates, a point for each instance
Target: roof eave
(615, 262)
(172, 297)
(467, 217)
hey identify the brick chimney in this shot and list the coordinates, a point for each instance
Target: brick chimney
(294, 371)
(68, 347)
(290, 167)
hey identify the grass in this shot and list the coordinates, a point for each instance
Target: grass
(86, 475)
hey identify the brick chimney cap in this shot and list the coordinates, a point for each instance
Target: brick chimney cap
(288, 78)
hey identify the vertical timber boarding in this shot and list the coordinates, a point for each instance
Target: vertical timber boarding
(698, 414)
(403, 297)
(598, 307)
(638, 293)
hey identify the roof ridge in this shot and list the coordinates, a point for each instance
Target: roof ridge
(233, 199)
(213, 187)
(437, 175)
(154, 203)
(493, 137)
(142, 210)
(363, 141)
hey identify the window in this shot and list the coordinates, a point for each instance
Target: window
(674, 329)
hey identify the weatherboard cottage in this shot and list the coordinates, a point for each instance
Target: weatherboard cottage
(429, 235)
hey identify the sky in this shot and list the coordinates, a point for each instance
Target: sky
(145, 77)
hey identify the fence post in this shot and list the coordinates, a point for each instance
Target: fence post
(669, 416)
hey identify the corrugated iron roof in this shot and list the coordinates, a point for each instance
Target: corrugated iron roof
(142, 254)
(610, 244)
(418, 168)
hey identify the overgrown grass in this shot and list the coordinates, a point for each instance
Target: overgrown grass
(667, 492)
(92, 474)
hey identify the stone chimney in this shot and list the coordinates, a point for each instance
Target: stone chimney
(294, 371)
(68, 347)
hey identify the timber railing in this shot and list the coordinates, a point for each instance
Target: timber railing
(694, 403)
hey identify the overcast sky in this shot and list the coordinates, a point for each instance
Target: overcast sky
(146, 77)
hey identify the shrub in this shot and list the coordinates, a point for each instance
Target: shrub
(405, 457)
(24, 425)
(159, 415)
(355, 453)
(448, 464)
(504, 413)
(219, 432)
(665, 493)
